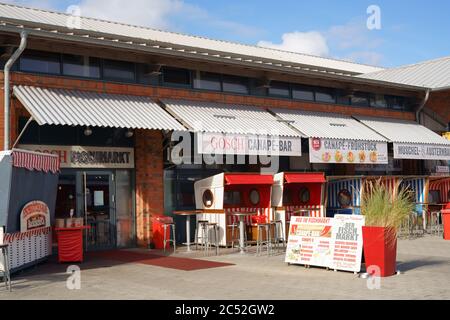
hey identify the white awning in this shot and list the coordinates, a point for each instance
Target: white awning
(411, 140)
(85, 108)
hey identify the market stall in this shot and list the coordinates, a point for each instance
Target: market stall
(298, 194)
(222, 195)
(28, 188)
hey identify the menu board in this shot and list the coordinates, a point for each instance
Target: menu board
(335, 243)
(347, 151)
(309, 241)
(347, 243)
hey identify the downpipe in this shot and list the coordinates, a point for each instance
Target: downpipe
(6, 85)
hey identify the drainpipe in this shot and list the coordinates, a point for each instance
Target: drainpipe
(8, 65)
(424, 102)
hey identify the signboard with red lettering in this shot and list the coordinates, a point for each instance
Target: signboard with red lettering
(309, 241)
(334, 243)
(34, 215)
(347, 242)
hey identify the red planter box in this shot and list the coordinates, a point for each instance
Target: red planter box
(380, 250)
(446, 223)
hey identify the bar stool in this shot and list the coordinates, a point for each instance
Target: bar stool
(167, 222)
(279, 233)
(4, 250)
(212, 236)
(261, 227)
(202, 225)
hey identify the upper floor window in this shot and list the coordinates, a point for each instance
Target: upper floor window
(378, 101)
(397, 103)
(303, 92)
(325, 95)
(280, 89)
(208, 81)
(235, 84)
(176, 76)
(343, 97)
(81, 66)
(40, 62)
(360, 99)
(119, 70)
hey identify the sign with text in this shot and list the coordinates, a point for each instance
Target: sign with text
(34, 215)
(347, 151)
(347, 242)
(235, 144)
(88, 157)
(421, 151)
(309, 241)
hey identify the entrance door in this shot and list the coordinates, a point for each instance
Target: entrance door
(98, 209)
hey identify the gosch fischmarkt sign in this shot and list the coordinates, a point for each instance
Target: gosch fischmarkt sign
(236, 144)
(88, 157)
(421, 151)
(347, 151)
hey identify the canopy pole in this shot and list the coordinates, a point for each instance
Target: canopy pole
(22, 132)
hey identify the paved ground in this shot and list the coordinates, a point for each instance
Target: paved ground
(424, 261)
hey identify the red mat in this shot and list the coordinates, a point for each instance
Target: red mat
(185, 264)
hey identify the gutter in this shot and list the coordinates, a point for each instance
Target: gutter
(6, 85)
(422, 105)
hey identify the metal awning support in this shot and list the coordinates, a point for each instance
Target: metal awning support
(22, 132)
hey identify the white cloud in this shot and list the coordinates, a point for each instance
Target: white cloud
(312, 42)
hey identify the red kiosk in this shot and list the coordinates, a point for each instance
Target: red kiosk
(70, 244)
(297, 193)
(222, 195)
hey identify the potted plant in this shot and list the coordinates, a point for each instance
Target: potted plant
(384, 214)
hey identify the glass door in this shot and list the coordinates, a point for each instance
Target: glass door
(98, 209)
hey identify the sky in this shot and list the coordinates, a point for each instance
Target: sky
(377, 32)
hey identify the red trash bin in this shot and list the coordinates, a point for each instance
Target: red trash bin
(158, 232)
(446, 221)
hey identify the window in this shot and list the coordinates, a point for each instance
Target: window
(396, 103)
(147, 74)
(378, 101)
(208, 81)
(232, 198)
(279, 89)
(325, 95)
(343, 97)
(41, 62)
(254, 197)
(119, 70)
(304, 195)
(81, 66)
(303, 93)
(235, 84)
(360, 99)
(208, 198)
(177, 77)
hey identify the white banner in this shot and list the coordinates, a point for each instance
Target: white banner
(347, 151)
(235, 144)
(421, 151)
(88, 157)
(347, 242)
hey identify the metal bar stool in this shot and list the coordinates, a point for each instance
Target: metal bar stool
(261, 227)
(5, 262)
(235, 232)
(212, 234)
(279, 233)
(202, 225)
(167, 222)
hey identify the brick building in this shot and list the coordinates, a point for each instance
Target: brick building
(107, 98)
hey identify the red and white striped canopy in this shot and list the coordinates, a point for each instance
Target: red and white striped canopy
(34, 161)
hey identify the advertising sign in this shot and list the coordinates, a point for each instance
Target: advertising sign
(309, 241)
(347, 242)
(421, 151)
(235, 144)
(88, 157)
(347, 151)
(34, 215)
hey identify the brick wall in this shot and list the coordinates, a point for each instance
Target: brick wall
(439, 103)
(149, 182)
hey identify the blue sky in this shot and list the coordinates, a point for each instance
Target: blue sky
(411, 31)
